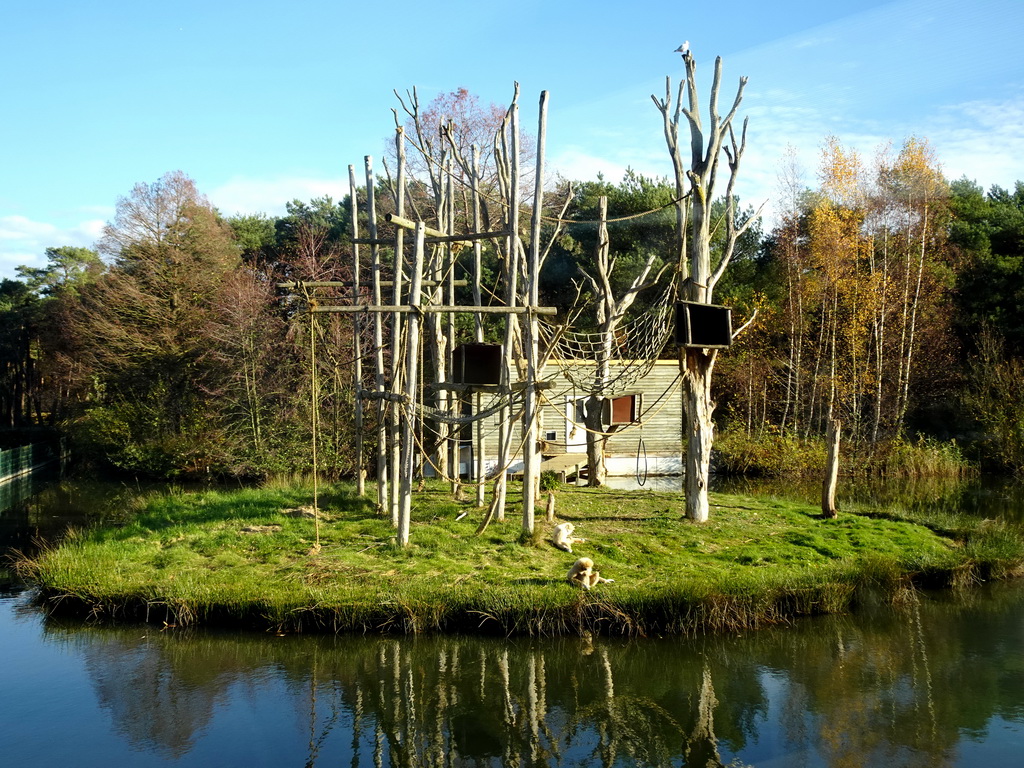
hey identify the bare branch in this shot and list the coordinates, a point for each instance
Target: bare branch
(559, 226)
(746, 325)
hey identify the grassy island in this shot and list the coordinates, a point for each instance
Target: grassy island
(250, 558)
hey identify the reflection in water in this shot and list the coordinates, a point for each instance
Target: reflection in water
(938, 684)
(886, 688)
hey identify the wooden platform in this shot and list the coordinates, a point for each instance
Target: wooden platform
(565, 464)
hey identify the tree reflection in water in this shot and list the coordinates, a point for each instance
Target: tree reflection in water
(883, 688)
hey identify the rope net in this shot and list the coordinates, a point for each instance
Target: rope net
(635, 345)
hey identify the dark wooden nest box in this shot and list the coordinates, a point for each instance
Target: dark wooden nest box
(622, 409)
(477, 364)
(703, 325)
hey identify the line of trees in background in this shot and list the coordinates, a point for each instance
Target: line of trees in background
(891, 299)
(886, 296)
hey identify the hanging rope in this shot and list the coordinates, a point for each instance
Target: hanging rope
(500, 400)
(425, 451)
(457, 175)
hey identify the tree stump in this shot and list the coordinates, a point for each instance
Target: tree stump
(828, 487)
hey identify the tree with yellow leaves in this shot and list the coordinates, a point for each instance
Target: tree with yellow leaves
(866, 269)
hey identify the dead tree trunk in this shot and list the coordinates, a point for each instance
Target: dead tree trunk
(610, 313)
(700, 275)
(597, 469)
(593, 410)
(696, 366)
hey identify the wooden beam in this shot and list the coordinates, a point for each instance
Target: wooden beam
(516, 386)
(437, 236)
(357, 349)
(439, 309)
(404, 223)
(469, 236)
(392, 397)
(349, 284)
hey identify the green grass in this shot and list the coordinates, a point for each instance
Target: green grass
(235, 557)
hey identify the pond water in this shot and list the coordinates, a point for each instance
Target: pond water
(937, 683)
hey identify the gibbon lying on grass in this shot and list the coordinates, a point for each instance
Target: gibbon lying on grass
(562, 536)
(583, 573)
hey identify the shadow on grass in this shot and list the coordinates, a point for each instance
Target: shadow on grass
(255, 505)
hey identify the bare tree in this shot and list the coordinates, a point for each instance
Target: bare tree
(142, 329)
(698, 272)
(610, 313)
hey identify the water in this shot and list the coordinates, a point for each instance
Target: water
(939, 683)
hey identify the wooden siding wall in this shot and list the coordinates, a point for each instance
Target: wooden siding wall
(661, 413)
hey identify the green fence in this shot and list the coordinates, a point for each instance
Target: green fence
(25, 459)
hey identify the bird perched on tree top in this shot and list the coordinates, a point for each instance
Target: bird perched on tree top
(684, 49)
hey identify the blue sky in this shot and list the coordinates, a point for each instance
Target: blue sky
(263, 102)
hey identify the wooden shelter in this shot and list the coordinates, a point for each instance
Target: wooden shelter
(647, 420)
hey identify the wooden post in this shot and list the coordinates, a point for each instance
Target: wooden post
(408, 445)
(378, 339)
(396, 329)
(357, 369)
(434, 336)
(828, 487)
(531, 455)
(512, 297)
(453, 401)
(480, 454)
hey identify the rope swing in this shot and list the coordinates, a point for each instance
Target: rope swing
(641, 453)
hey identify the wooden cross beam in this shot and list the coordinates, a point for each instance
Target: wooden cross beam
(349, 284)
(438, 309)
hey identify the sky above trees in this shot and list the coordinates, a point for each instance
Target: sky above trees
(266, 102)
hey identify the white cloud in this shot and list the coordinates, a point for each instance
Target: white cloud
(814, 42)
(18, 228)
(23, 241)
(982, 140)
(575, 163)
(241, 195)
